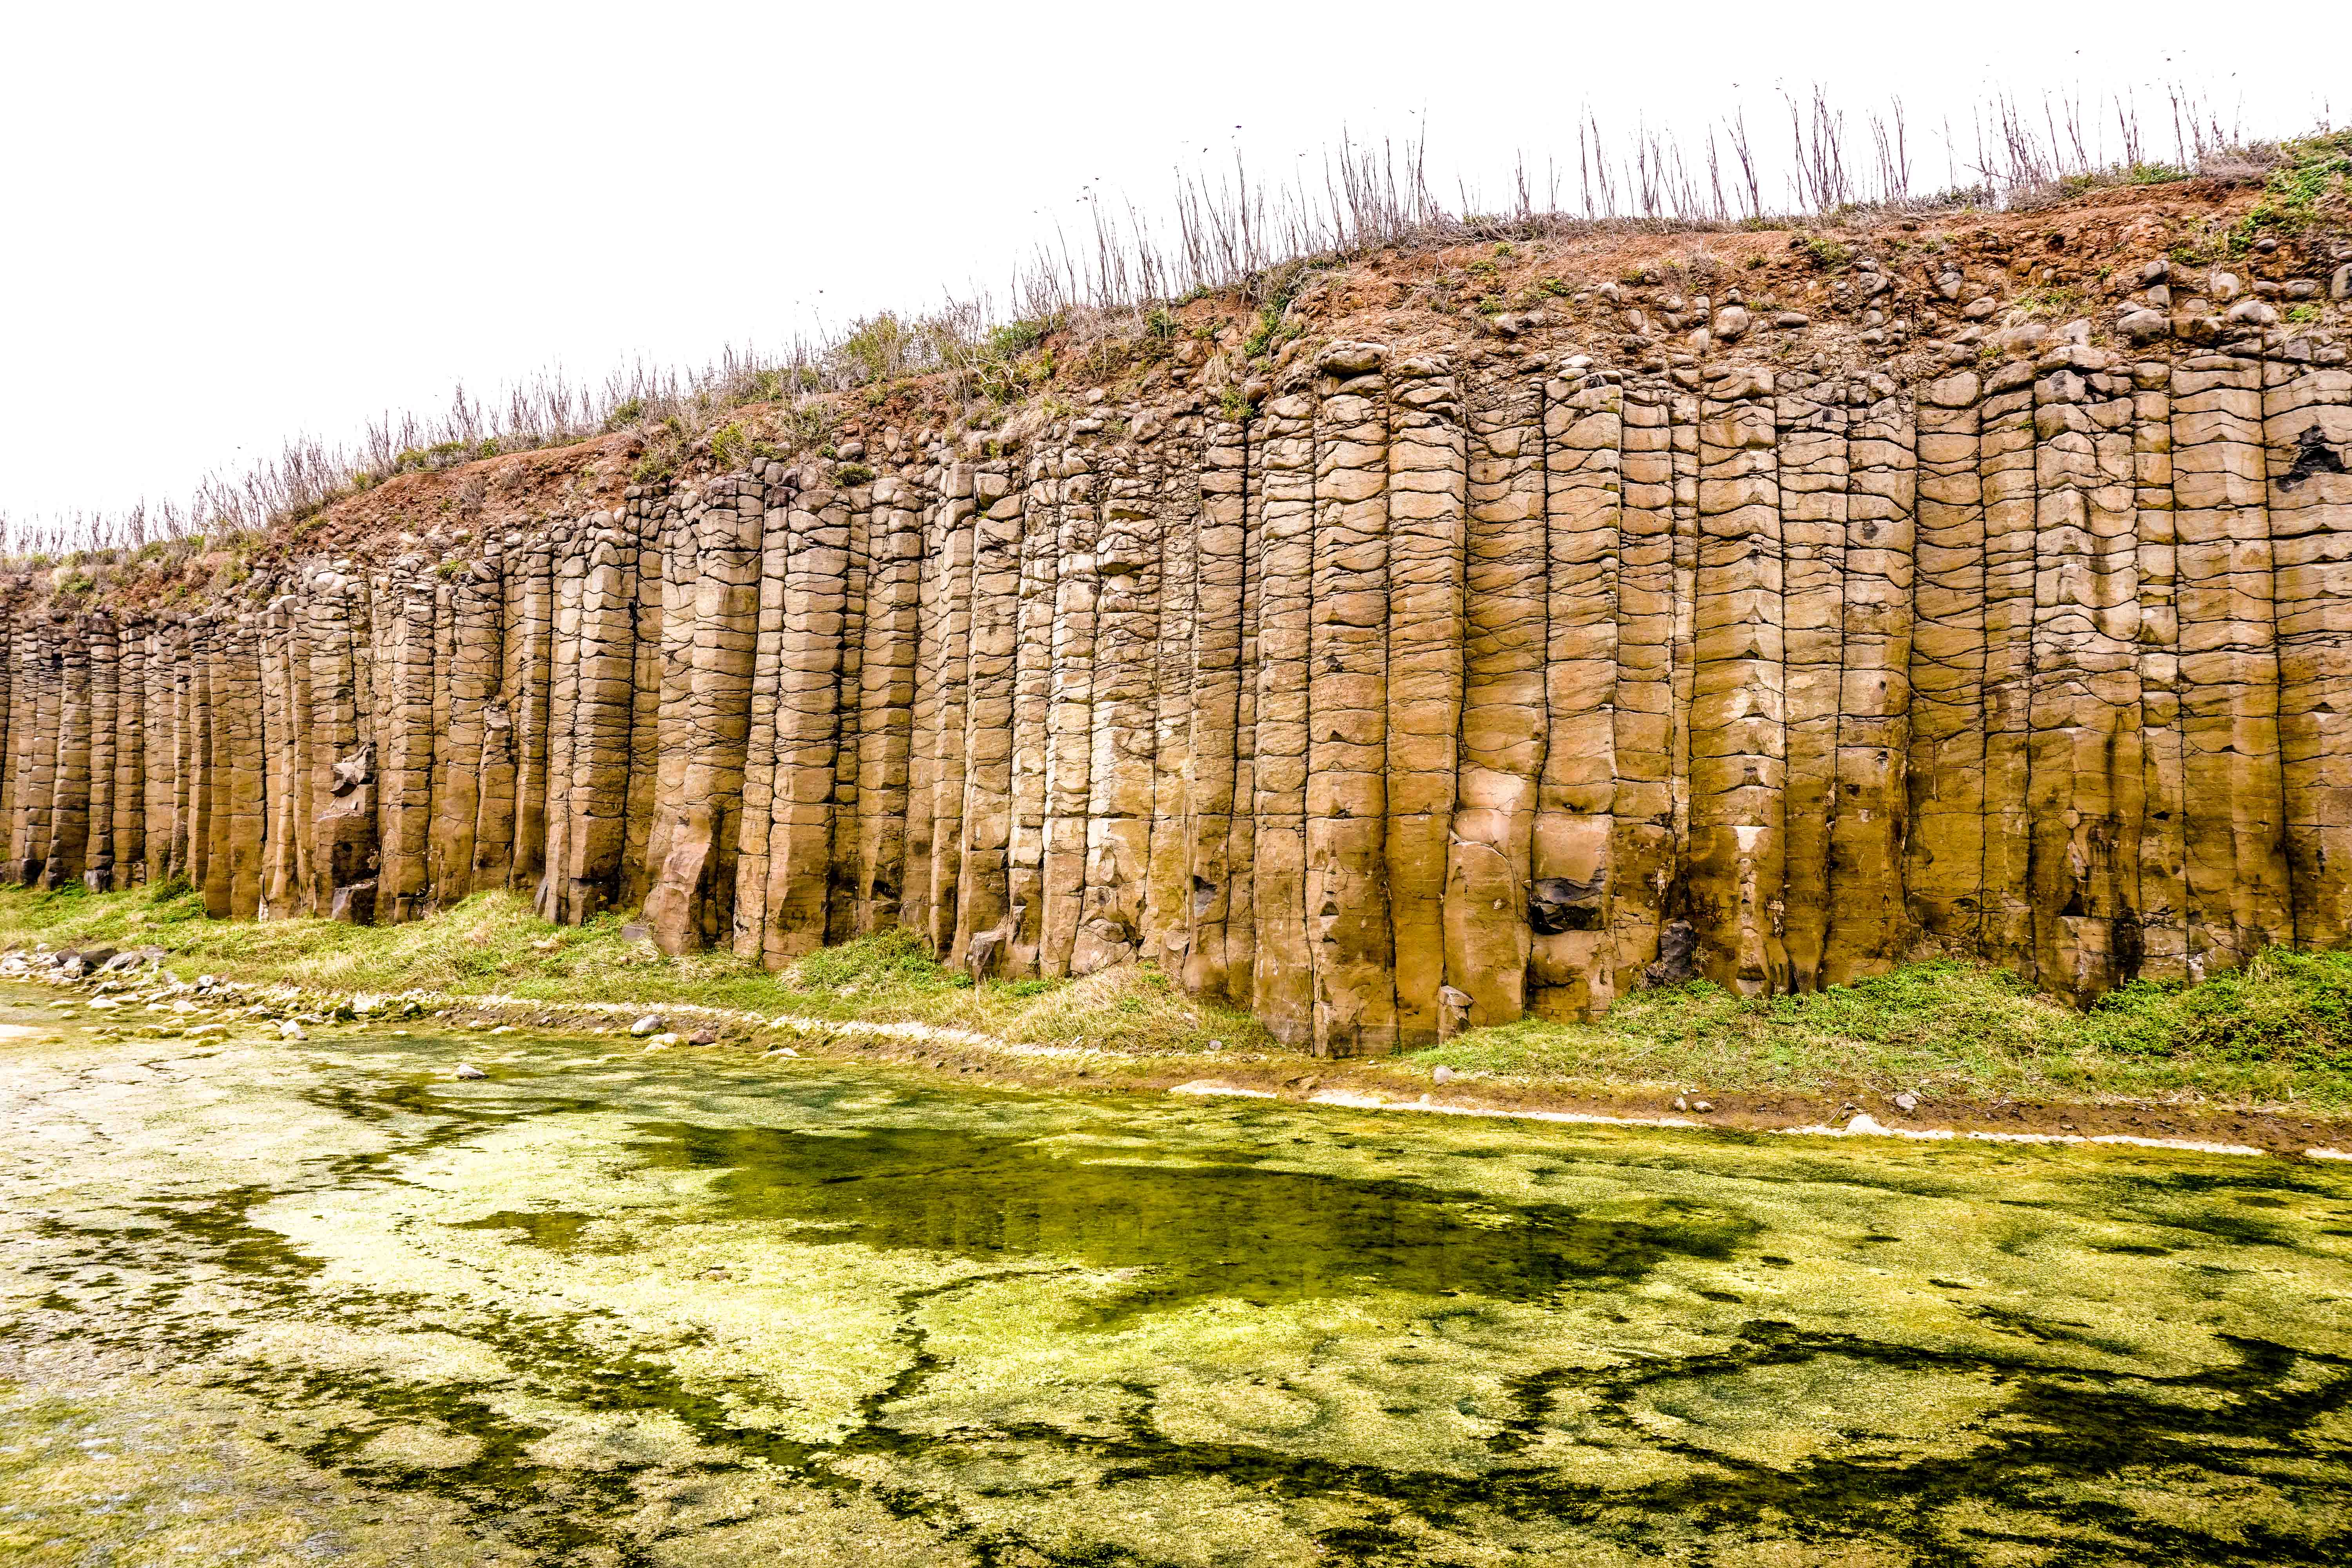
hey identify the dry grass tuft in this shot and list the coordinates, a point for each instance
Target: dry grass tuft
(1229, 231)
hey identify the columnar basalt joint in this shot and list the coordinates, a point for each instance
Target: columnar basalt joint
(1120, 770)
(1351, 946)
(1400, 699)
(1738, 705)
(1488, 937)
(1428, 519)
(1282, 986)
(1571, 965)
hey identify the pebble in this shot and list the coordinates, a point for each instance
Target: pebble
(651, 1024)
(467, 1069)
(1906, 1103)
(1442, 1075)
(291, 1030)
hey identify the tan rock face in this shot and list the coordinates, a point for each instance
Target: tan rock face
(1435, 691)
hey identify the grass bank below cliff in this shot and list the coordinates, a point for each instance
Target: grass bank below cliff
(493, 946)
(2277, 1034)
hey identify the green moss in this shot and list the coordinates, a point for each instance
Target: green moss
(493, 943)
(2048, 303)
(618, 1307)
(2278, 1030)
(2310, 176)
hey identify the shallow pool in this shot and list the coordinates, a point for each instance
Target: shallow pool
(270, 1302)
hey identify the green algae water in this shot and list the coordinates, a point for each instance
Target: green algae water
(321, 1301)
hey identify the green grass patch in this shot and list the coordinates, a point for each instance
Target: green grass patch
(2311, 176)
(493, 944)
(2280, 1029)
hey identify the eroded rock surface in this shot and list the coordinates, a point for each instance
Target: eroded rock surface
(1433, 688)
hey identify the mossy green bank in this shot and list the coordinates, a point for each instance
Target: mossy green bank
(2277, 1033)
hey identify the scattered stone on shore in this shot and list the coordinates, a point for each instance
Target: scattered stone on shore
(651, 1024)
(467, 1069)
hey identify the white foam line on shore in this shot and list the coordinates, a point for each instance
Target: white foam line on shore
(1344, 1100)
(1867, 1126)
(1862, 1126)
(790, 1023)
(1876, 1130)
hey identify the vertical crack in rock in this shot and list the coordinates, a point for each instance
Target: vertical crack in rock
(1487, 936)
(1739, 699)
(2232, 785)
(983, 896)
(1218, 674)
(1283, 990)
(1641, 828)
(1069, 751)
(2085, 768)
(1943, 853)
(2163, 901)
(1572, 967)
(1175, 457)
(1428, 536)
(885, 701)
(2306, 428)
(2006, 464)
(1123, 739)
(1813, 505)
(1867, 836)
(1350, 943)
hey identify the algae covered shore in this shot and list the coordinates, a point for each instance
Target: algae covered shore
(274, 1300)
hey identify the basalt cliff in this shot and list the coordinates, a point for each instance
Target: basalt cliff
(1456, 635)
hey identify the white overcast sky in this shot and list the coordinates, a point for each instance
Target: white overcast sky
(221, 224)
